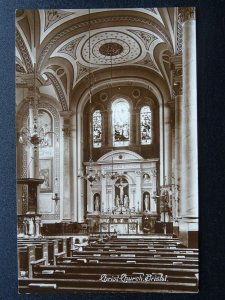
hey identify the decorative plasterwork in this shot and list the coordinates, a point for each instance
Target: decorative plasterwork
(20, 69)
(187, 13)
(146, 37)
(81, 70)
(158, 29)
(152, 10)
(58, 89)
(147, 61)
(71, 47)
(179, 40)
(24, 52)
(52, 16)
(126, 48)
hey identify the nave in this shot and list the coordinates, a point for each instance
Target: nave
(107, 161)
(107, 262)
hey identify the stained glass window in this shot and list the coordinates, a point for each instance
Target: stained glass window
(121, 122)
(97, 129)
(146, 125)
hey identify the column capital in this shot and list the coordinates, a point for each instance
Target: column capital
(177, 75)
(178, 88)
(67, 131)
(187, 14)
(66, 114)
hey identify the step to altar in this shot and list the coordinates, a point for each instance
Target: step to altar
(140, 236)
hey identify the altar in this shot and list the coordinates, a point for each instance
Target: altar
(119, 223)
(123, 200)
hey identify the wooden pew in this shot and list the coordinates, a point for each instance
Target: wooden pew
(41, 248)
(67, 285)
(52, 247)
(154, 259)
(27, 259)
(141, 253)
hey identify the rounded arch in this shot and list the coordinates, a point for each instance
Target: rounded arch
(118, 96)
(126, 154)
(157, 88)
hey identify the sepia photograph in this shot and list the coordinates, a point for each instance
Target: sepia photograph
(107, 150)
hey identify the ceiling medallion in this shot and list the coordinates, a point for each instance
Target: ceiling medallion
(136, 93)
(111, 49)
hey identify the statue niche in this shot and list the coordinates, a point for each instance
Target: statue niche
(146, 202)
(97, 202)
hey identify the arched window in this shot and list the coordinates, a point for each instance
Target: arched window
(97, 129)
(146, 125)
(121, 122)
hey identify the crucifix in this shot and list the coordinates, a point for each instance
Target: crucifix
(121, 185)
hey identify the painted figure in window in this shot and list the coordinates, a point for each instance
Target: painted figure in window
(120, 119)
(146, 130)
(97, 129)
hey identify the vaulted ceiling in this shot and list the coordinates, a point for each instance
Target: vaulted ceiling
(65, 46)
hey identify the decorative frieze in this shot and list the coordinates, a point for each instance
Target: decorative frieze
(179, 49)
(24, 52)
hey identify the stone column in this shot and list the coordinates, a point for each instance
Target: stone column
(189, 206)
(176, 66)
(167, 143)
(33, 97)
(138, 199)
(104, 194)
(34, 149)
(110, 129)
(67, 201)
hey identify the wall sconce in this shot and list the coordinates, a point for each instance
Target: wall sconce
(56, 198)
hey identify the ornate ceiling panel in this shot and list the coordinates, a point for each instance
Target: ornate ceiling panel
(71, 47)
(83, 41)
(110, 46)
(52, 16)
